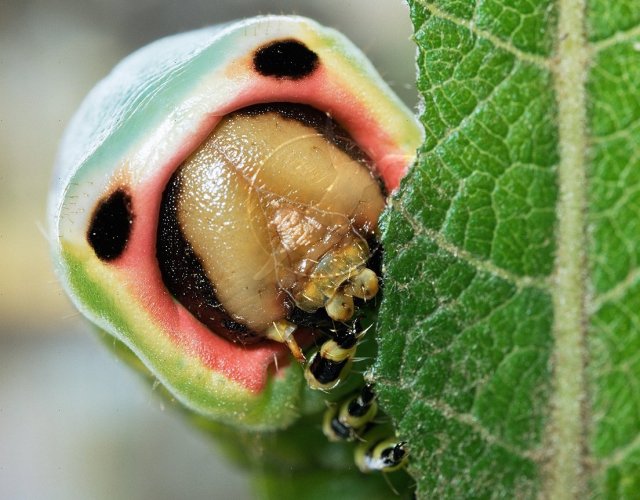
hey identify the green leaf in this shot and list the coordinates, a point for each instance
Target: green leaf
(509, 333)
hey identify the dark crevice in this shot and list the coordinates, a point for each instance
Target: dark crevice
(184, 275)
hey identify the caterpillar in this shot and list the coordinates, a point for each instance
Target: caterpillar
(215, 208)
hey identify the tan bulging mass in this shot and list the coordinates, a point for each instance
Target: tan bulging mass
(273, 209)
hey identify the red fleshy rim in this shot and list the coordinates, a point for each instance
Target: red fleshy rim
(247, 365)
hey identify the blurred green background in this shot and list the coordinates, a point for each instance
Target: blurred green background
(74, 421)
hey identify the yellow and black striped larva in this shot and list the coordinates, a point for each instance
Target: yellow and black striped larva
(383, 454)
(347, 420)
(330, 364)
(354, 420)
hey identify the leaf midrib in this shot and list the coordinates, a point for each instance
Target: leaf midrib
(565, 474)
(566, 432)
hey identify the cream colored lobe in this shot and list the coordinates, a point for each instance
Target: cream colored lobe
(261, 202)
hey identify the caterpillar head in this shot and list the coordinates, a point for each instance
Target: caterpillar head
(199, 187)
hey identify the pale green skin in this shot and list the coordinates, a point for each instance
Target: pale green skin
(146, 110)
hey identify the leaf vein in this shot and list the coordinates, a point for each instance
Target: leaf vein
(469, 420)
(621, 454)
(479, 264)
(618, 37)
(452, 131)
(616, 293)
(521, 55)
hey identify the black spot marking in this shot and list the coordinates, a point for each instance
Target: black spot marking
(110, 226)
(285, 59)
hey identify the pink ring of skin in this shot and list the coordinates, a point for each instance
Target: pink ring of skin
(247, 365)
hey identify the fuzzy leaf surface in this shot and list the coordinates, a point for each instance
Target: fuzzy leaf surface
(509, 333)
